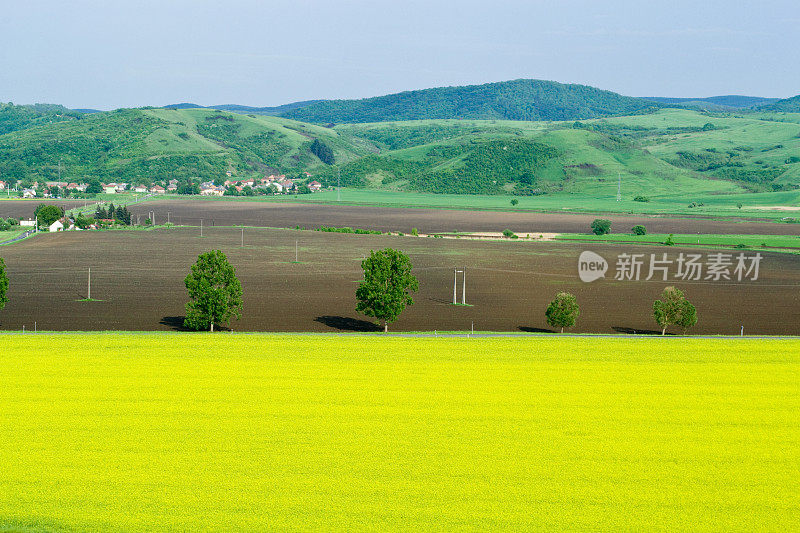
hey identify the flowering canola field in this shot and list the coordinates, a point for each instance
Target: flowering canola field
(138, 432)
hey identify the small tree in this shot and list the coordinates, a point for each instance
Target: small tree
(3, 284)
(563, 311)
(214, 291)
(601, 226)
(674, 309)
(514, 201)
(638, 229)
(387, 286)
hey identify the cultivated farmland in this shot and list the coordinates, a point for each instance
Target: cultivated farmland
(253, 432)
(283, 215)
(138, 276)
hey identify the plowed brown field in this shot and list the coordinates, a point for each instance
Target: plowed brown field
(138, 275)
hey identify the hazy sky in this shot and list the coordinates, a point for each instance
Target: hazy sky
(112, 53)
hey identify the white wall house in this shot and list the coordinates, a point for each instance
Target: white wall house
(56, 226)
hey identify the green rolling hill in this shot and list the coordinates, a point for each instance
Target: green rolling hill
(664, 152)
(147, 144)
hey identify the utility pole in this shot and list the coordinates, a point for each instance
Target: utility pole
(464, 287)
(242, 235)
(89, 292)
(201, 227)
(295, 252)
(168, 213)
(338, 184)
(456, 272)
(619, 187)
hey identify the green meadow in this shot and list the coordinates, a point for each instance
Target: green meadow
(786, 242)
(145, 432)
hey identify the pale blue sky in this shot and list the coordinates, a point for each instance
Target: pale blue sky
(108, 54)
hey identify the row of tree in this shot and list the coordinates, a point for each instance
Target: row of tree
(119, 213)
(672, 309)
(216, 294)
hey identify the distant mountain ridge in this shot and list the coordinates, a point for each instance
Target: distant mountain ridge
(237, 108)
(523, 99)
(730, 100)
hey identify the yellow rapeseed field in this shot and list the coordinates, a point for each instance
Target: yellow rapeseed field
(139, 432)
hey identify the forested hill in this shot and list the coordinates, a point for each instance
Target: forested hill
(787, 105)
(508, 100)
(20, 117)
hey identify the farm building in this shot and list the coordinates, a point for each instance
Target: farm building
(56, 226)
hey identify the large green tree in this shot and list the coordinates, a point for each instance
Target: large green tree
(674, 308)
(214, 291)
(3, 284)
(563, 311)
(387, 286)
(47, 214)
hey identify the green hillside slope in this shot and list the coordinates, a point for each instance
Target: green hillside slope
(521, 158)
(787, 105)
(510, 100)
(667, 152)
(20, 117)
(142, 144)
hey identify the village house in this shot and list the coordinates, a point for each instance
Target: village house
(315, 186)
(172, 187)
(28, 193)
(157, 189)
(56, 226)
(121, 187)
(3, 185)
(140, 188)
(212, 191)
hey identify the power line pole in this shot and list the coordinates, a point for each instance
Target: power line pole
(464, 287)
(242, 235)
(89, 292)
(201, 227)
(338, 184)
(455, 284)
(463, 272)
(295, 252)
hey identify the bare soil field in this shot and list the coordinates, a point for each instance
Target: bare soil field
(289, 215)
(25, 208)
(138, 276)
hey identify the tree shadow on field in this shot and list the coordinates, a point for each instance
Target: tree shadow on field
(176, 324)
(347, 323)
(631, 331)
(527, 329)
